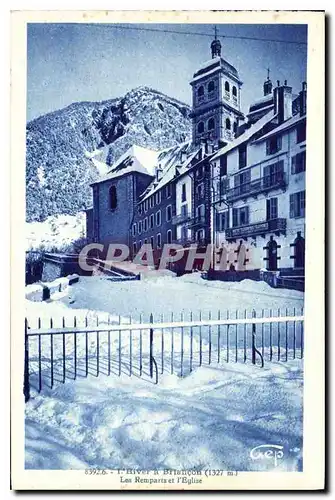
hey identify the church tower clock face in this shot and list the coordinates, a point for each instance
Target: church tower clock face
(216, 91)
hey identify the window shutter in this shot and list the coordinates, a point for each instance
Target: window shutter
(247, 214)
(279, 142)
(268, 149)
(268, 211)
(234, 217)
(292, 205)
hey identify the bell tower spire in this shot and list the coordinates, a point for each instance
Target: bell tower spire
(216, 45)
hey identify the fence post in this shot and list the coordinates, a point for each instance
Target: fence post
(253, 348)
(26, 387)
(151, 347)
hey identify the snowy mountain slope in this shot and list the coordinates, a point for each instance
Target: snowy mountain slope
(60, 145)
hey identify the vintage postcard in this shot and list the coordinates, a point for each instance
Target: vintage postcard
(167, 233)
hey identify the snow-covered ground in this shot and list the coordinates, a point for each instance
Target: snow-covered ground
(165, 295)
(210, 418)
(56, 232)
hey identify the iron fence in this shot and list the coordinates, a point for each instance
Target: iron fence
(149, 347)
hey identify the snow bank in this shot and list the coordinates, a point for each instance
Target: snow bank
(209, 420)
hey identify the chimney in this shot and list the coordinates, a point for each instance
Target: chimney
(159, 172)
(303, 99)
(282, 95)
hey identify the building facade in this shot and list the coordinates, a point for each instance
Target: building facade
(259, 187)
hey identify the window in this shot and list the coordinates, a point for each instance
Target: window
(134, 229)
(201, 91)
(201, 127)
(223, 186)
(297, 204)
(145, 224)
(298, 163)
(199, 173)
(234, 91)
(140, 208)
(223, 165)
(240, 216)
(228, 126)
(183, 193)
(211, 86)
(184, 210)
(222, 220)
(146, 205)
(168, 190)
(200, 213)
(151, 221)
(152, 242)
(158, 197)
(273, 173)
(140, 227)
(226, 87)
(273, 145)
(140, 244)
(169, 236)
(235, 128)
(242, 182)
(242, 156)
(145, 241)
(158, 218)
(159, 240)
(301, 132)
(112, 198)
(134, 247)
(272, 208)
(200, 190)
(151, 201)
(200, 235)
(168, 213)
(211, 124)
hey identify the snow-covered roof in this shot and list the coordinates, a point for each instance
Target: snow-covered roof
(256, 127)
(135, 159)
(214, 65)
(168, 160)
(283, 126)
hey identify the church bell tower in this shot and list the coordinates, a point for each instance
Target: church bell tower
(216, 107)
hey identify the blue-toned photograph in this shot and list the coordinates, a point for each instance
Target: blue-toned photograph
(165, 249)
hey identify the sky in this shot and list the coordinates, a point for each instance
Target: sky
(93, 62)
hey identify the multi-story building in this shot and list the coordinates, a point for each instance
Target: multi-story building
(259, 185)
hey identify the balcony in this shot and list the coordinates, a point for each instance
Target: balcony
(198, 220)
(257, 186)
(181, 218)
(260, 228)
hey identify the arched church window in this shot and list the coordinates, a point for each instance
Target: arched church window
(226, 87)
(201, 127)
(228, 126)
(112, 198)
(201, 91)
(211, 124)
(211, 86)
(234, 91)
